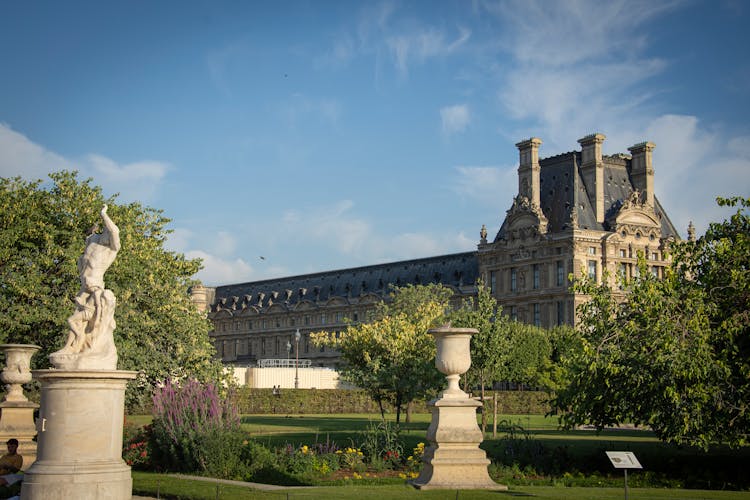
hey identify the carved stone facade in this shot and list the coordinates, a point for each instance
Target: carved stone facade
(575, 212)
(258, 320)
(578, 212)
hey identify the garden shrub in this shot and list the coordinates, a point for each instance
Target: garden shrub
(188, 417)
(136, 446)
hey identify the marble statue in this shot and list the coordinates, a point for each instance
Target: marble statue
(90, 344)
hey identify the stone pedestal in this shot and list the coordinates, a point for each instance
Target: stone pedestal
(79, 428)
(17, 421)
(453, 460)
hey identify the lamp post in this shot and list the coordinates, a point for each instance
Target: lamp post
(297, 335)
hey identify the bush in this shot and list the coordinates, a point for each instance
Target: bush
(136, 447)
(188, 418)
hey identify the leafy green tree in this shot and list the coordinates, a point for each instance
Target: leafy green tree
(490, 346)
(393, 357)
(674, 354)
(42, 234)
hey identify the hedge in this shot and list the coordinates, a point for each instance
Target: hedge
(300, 401)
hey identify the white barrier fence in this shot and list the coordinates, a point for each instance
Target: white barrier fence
(308, 378)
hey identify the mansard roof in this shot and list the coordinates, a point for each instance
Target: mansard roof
(453, 270)
(563, 194)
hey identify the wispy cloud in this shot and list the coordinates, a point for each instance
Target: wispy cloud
(572, 73)
(693, 166)
(299, 107)
(455, 118)
(423, 44)
(491, 186)
(137, 181)
(218, 271)
(20, 156)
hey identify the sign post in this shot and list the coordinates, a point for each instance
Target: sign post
(624, 460)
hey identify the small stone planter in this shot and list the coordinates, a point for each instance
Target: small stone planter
(17, 369)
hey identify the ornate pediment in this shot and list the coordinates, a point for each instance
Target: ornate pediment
(524, 219)
(634, 214)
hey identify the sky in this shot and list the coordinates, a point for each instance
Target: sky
(285, 138)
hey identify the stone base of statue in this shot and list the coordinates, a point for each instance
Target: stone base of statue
(17, 421)
(79, 452)
(453, 460)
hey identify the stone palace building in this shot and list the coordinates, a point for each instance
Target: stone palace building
(576, 212)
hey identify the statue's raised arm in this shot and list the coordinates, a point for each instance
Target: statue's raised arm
(111, 234)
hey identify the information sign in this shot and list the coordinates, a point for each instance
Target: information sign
(623, 460)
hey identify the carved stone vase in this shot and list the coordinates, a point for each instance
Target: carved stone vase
(453, 357)
(17, 370)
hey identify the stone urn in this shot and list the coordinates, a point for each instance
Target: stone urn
(453, 357)
(17, 369)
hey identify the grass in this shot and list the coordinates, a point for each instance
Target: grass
(166, 486)
(577, 450)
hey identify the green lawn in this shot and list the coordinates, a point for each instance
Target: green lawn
(169, 487)
(578, 450)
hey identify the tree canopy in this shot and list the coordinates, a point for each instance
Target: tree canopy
(393, 356)
(675, 353)
(42, 233)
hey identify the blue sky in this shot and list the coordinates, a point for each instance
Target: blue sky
(323, 135)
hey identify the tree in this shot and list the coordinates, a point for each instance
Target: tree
(674, 354)
(490, 346)
(393, 357)
(42, 234)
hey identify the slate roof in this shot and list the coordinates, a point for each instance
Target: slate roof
(562, 187)
(455, 270)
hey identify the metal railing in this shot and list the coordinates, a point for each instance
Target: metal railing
(283, 363)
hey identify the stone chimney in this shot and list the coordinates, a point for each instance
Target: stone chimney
(592, 171)
(642, 170)
(202, 296)
(528, 169)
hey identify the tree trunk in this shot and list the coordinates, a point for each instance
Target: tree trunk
(494, 414)
(409, 411)
(398, 408)
(382, 410)
(484, 410)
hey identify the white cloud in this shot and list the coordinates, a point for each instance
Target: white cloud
(455, 118)
(493, 187)
(423, 44)
(219, 271)
(19, 156)
(693, 166)
(134, 181)
(301, 107)
(560, 34)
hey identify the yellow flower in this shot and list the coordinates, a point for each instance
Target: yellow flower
(410, 458)
(402, 475)
(414, 475)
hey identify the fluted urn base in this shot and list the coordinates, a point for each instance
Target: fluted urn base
(80, 437)
(453, 460)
